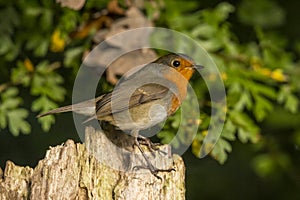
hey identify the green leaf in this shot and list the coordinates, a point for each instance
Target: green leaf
(203, 31)
(42, 48)
(10, 19)
(176, 7)
(46, 122)
(219, 14)
(17, 122)
(247, 129)
(240, 119)
(10, 103)
(211, 45)
(6, 44)
(220, 150)
(262, 89)
(34, 41)
(10, 92)
(72, 55)
(43, 104)
(165, 136)
(262, 107)
(183, 23)
(284, 91)
(46, 82)
(20, 74)
(229, 130)
(9, 100)
(244, 101)
(245, 135)
(292, 103)
(176, 119)
(33, 11)
(264, 13)
(46, 19)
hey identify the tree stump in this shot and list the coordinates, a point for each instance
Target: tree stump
(102, 168)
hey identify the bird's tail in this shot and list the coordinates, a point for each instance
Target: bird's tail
(57, 110)
(85, 108)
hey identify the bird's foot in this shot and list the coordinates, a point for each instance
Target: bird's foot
(151, 146)
(154, 170)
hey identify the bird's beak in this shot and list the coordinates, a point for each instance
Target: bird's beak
(198, 66)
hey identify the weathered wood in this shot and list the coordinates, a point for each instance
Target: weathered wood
(103, 168)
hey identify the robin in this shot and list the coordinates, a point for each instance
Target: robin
(143, 99)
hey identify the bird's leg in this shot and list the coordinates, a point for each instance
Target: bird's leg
(152, 168)
(146, 141)
(151, 146)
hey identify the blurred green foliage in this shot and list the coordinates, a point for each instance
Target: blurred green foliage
(35, 44)
(260, 73)
(263, 13)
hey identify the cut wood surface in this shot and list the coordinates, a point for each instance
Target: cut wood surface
(101, 168)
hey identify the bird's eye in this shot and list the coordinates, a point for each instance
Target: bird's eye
(176, 63)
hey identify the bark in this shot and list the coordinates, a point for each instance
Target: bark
(102, 168)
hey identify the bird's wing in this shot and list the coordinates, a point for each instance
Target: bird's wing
(121, 99)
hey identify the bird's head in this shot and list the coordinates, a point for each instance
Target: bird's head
(179, 62)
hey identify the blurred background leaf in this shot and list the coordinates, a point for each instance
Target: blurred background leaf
(262, 13)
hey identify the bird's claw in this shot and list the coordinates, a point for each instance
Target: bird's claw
(153, 170)
(151, 146)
